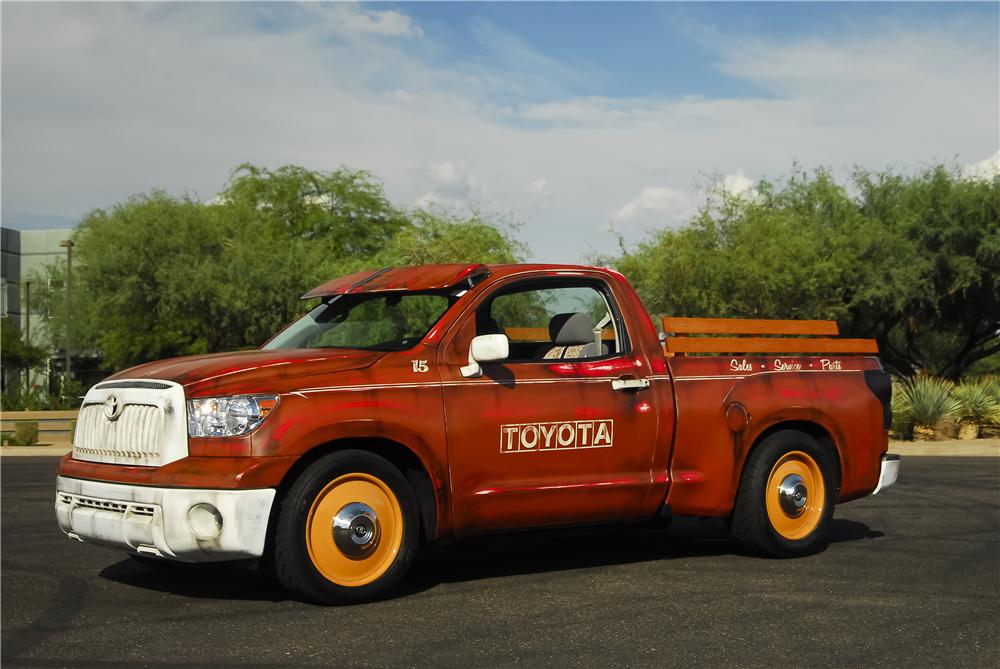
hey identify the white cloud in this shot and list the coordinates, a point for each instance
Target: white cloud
(101, 101)
(663, 206)
(538, 193)
(657, 204)
(399, 95)
(453, 187)
(984, 169)
(738, 184)
(579, 110)
(351, 19)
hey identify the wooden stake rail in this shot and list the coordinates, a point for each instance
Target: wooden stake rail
(748, 326)
(805, 344)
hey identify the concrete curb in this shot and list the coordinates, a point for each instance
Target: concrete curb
(979, 448)
(48, 449)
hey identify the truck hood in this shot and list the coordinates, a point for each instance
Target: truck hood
(250, 371)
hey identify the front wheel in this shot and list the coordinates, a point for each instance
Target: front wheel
(347, 530)
(786, 496)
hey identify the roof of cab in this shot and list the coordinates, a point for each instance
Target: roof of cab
(423, 277)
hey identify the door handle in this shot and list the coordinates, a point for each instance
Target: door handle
(629, 383)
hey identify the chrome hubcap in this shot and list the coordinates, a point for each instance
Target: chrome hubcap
(356, 530)
(793, 495)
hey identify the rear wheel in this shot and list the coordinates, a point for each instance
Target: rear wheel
(347, 530)
(786, 496)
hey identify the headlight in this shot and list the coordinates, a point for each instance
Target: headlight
(228, 416)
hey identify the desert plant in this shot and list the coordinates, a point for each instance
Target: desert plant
(25, 434)
(992, 384)
(902, 412)
(929, 400)
(978, 406)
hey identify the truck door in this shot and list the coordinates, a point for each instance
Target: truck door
(547, 437)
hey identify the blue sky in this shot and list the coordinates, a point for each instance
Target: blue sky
(651, 49)
(579, 121)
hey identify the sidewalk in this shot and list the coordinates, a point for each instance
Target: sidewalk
(979, 448)
(955, 447)
(47, 449)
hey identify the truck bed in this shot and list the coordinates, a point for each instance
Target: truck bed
(829, 395)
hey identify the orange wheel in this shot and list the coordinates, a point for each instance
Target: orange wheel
(347, 529)
(788, 488)
(795, 495)
(354, 529)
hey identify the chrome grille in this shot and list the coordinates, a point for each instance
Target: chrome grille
(107, 504)
(147, 385)
(135, 436)
(147, 426)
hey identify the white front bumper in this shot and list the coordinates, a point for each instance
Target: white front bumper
(889, 474)
(158, 522)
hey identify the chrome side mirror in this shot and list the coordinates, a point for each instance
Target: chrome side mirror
(485, 348)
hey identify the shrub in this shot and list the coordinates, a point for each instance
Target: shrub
(993, 430)
(992, 384)
(25, 398)
(929, 400)
(25, 434)
(902, 412)
(978, 407)
(19, 397)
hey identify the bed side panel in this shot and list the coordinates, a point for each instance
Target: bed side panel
(827, 392)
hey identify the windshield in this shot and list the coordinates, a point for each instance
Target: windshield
(373, 321)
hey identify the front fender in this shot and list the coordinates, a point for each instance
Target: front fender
(410, 417)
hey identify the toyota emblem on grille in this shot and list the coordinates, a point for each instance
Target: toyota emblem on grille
(113, 407)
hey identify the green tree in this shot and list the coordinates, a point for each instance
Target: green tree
(346, 210)
(159, 276)
(911, 261)
(434, 239)
(948, 230)
(15, 353)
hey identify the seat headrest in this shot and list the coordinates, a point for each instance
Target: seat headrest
(571, 329)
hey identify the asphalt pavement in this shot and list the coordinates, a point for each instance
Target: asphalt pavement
(910, 579)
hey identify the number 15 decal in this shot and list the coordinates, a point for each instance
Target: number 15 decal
(419, 366)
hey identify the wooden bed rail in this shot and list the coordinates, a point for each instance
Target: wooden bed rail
(742, 326)
(747, 326)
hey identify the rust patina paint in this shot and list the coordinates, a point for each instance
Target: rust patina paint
(669, 443)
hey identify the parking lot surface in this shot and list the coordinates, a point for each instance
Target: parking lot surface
(911, 578)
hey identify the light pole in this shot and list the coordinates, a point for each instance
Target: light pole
(68, 245)
(27, 329)
(27, 313)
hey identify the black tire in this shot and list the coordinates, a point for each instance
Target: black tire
(298, 532)
(780, 533)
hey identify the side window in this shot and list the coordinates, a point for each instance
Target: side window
(553, 322)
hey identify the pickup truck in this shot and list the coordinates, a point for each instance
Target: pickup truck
(425, 404)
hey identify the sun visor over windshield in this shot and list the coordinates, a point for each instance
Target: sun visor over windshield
(426, 277)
